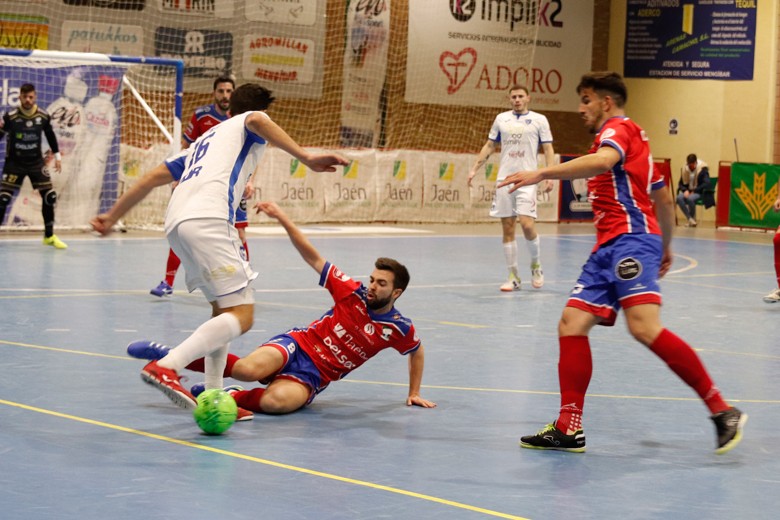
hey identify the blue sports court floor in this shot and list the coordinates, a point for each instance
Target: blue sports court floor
(81, 436)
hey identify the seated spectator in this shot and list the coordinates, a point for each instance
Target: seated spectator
(694, 184)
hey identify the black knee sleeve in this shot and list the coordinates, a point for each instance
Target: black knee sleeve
(49, 197)
(5, 198)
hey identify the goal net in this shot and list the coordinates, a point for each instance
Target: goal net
(114, 117)
(407, 89)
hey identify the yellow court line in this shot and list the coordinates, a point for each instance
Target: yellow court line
(266, 462)
(436, 387)
(547, 392)
(67, 351)
(457, 324)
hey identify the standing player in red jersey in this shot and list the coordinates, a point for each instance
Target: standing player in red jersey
(203, 119)
(302, 362)
(774, 296)
(632, 252)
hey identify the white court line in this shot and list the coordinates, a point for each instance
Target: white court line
(335, 230)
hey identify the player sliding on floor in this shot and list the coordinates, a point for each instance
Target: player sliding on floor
(301, 363)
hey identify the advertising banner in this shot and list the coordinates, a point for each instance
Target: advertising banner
(701, 39)
(399, 178)
(352, 197)
(104, 38)
(24, 32)
(206, 53)
(365, 65)
(445, 187)
(284, 48)
(753, 193)
(471, 52)
(288, 182)
(293, 12)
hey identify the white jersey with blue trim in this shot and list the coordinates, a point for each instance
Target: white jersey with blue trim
(214, 171)
(520, 136)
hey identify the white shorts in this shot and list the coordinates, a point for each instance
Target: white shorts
(214, 260)
(520, 202)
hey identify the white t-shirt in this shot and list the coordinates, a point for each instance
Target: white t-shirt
(520, 136)
(216, 169)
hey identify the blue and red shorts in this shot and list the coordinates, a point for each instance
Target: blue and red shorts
(298, 366)
(621, 273)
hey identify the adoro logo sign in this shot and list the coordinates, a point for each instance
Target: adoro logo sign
(469, 52)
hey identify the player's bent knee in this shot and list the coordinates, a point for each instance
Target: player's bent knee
(280, 402)
(49, 197)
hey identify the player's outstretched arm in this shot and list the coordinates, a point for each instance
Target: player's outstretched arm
(416, 365)
(487, 150)
(580, 168)
(157, 176)
(261, 124)
(308, 252)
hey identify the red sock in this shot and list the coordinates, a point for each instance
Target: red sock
(575, 367)
(249, 399)
(684, 361)
(199, 365)
(776, 242)
(246, 248)
(171, 267)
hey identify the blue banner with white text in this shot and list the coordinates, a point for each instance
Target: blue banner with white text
(690, 39)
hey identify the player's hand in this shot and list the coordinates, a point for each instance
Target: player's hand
(269, 208)
(520, 179)
(58, 166)
(325, 162)
(416, 400)
(472, 174)
(777, 204)
(249, 190)
(102, 224)
(666, 263)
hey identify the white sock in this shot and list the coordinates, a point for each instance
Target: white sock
(510, 254)
(215, 367)
(207, 338)
(534, 248)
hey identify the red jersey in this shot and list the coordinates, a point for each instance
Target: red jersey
(203, 119)
(350, 333)
(621, 197)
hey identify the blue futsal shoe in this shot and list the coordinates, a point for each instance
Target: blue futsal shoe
(162, 290)
(145, 349)
(198, 389)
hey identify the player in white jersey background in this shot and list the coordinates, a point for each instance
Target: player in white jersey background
(212, 175)
(519, 132)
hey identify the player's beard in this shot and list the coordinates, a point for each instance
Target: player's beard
(377, 303)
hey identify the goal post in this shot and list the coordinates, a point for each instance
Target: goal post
(114, 118)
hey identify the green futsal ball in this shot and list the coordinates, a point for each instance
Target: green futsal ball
(216, 411)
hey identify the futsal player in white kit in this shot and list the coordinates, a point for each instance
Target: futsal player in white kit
(212, 174)
(520, 132)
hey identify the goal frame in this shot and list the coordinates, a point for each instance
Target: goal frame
(97, 58)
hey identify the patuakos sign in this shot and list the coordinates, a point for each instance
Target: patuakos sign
(753, 193)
